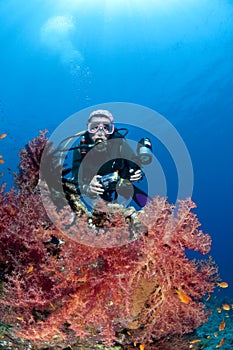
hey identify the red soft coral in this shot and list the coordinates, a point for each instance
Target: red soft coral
(56, 294)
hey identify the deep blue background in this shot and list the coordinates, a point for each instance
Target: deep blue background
(174, 56)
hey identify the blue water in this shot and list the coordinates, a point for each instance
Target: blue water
(174, 57)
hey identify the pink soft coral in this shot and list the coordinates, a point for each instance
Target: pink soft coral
(54, 294)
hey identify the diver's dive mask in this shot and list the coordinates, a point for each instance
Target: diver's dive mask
(94, 127)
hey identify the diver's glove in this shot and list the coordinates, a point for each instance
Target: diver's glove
(136, 175)
(95, 187)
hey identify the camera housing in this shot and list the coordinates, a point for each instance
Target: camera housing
(109, 181)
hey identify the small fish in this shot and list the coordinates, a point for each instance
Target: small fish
(184, 298)
(142, 346)
(55, 240)
(219, 310)
(1, 156)
(221, 343)
(2, 161)
(222, 326)
(216, 335)
(194, 341)
(19, 318)
(135, 344)
(226, 307)
(223, 285)
(30, 269)
(2, 136)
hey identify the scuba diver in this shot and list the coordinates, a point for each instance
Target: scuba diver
(104, 166)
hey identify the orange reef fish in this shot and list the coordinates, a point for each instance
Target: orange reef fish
(19, 318)
(221, 343)
(2, 136)
(184, 298)
(194, 341)
(223, 285)
(222, 326)
(30, 269)
(2, 161)
(226, 307)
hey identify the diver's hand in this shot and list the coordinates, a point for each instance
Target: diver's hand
(136, 176)
(95, 186)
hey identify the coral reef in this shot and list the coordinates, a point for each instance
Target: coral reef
(68, 292)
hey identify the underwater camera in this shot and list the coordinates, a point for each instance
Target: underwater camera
(144, 151)
(109, 181)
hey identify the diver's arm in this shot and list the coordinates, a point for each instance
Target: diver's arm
(133, 169)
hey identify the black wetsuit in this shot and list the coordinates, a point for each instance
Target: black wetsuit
(118, 156)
